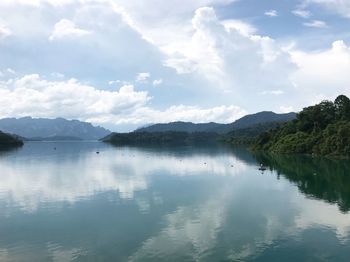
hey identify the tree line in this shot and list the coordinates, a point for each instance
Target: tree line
(322, 129)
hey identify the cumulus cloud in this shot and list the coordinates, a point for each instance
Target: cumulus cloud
(189, 46)
(316, 24)
(231, 59)
(66, 28)
(240, 26)
(302, 13)
(222, 114)
(271, 13)
(323, 74)
(196, 114)
(35, 96)
(143, 77)
(157, 82)
(4, 31)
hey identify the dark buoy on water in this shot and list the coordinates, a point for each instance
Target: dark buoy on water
(262, 168)
(97, 152)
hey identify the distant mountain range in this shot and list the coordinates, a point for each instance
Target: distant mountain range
(242, 123)
(29, 128)
(43, 129)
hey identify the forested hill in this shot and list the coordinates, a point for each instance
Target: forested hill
(169, 138)
(244, 122)
(322, 129)
(7, 140)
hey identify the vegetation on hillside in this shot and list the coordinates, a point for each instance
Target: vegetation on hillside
(7, 140)
(161, 138)
(247, 136)
(322, 129)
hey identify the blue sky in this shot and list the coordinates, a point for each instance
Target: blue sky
(126, 63)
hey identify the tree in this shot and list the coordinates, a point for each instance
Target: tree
(342, 107)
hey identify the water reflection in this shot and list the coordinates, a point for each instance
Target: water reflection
(149, 204)
(50, 172)
(321, 178)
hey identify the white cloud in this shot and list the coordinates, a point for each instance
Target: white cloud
(341, 7)
(323, 73)
(118, 82)
(240, 26)
(66, 28)
(37, 97)
(271, 13)
(143, 77)
(302, 13)
(7, 72)
(286, 109)
(316, 24)
(4, 32)
(226, 59)
(196, 114)
(157, 82)
(231, 59)
(223, 114)
(37, 3)
(57, 75)
(273, 92)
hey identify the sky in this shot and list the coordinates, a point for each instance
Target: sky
(123, 64)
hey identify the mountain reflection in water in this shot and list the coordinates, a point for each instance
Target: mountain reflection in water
(170, 204)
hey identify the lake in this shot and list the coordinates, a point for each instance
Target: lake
(64, 202)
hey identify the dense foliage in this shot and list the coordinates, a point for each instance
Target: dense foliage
(161, 138)
(246, 136)
(7, 140)
(321, 129)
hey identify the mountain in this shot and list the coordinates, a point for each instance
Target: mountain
(322, 129)
(44, 129)
(262, 117)
(7, 140)
(244, 122)
(248, 135)
(188, 127)
(168, 138)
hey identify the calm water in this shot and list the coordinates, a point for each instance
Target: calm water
(182, 204)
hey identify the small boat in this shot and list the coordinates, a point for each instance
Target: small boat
(97, 152)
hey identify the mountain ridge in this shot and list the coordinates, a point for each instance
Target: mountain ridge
(28, 128)
(243, 122)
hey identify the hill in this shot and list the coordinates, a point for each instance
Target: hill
(188, 127)
(161, 138)
(247, 135)
(244, 122)
(261, 118)
(322, 129)
(7, 140)
(43, 128)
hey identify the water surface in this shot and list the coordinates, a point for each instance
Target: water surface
(64, 202)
